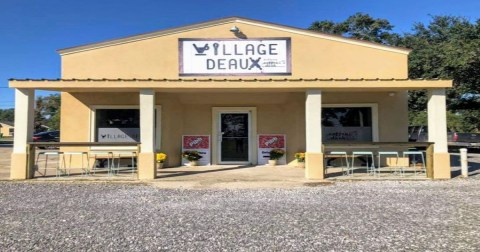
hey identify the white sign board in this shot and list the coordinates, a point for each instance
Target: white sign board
(268, 56)
(118, 135)
(200, 143)
(266, 143)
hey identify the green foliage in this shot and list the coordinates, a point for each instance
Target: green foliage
(417, 118)
(276, 154)
(446, 48)
(7, 115)
(47, 112)
(191, 155)
(360, 26)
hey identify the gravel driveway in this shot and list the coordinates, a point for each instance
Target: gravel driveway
(361, 216)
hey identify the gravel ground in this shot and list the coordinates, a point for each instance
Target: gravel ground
(361, 216)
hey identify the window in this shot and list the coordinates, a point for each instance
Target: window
(348, 124)
(117, 125)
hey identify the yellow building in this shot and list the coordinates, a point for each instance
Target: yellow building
(7, 129)
(234, 80)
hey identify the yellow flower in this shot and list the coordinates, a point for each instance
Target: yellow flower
(160, 157)
(300, 156)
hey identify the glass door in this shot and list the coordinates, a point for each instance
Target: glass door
(234, 131)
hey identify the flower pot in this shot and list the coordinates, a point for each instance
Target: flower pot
(159, 165)
(194, 163)
(272, 162)
(301, 164)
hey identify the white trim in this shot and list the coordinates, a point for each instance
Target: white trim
(198, 26)
(252, 133)
(158, 129)
(126, 40)
(373, 106)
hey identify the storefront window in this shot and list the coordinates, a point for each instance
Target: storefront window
(347, 124)
(117, 125)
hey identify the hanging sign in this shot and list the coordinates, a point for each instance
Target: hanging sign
(266, 143)
(268, 56)
(200, 143)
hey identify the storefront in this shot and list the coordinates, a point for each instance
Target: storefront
(232, 83)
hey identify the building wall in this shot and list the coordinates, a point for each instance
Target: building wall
(5, 130)
(191, 113)
(311, 57)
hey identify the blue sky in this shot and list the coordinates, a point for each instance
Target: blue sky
(32, 30)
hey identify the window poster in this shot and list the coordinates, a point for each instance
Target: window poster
(268, 142)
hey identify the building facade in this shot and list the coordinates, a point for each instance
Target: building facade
(234, 81)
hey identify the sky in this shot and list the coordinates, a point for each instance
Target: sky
(32, 30)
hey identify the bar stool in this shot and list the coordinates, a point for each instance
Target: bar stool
(58, 169)
(414, 154)
(345, 155)
(101, 155)
(118, 155)
(83, 156)
(367, 155)
(389, 153)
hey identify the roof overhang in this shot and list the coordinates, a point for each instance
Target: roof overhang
(206, 84)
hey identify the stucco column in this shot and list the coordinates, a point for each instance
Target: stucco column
(146, 157)
(437, 133)
(313, 116)
(24, 107)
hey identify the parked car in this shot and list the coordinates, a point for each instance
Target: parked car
(47, 136)
(455, 139)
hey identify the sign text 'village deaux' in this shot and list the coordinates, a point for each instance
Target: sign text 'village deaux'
(235, 57)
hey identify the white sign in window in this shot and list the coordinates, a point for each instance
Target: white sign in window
(269, 56)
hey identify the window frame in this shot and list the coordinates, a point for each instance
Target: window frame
(372, 106)
(158, 128)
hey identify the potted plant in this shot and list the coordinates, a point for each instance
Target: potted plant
(275, 155)
(300, 157)
(160, 158)
(192, 156)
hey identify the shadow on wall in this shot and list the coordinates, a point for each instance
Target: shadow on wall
(473, 164)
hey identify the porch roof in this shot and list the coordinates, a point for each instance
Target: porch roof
(232, 84)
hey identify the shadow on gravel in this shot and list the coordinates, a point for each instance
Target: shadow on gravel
(168, 174)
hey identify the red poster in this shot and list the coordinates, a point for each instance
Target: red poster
(271, 141)
(196, 142)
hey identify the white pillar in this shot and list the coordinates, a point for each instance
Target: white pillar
(313, 132)
(464, 162)
(313, 117)
(437, 132)
(146, 165)
(24, 116)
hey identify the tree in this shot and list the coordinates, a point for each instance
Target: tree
(359, 26)
(447, 48)
(47, 112)
(7, 115)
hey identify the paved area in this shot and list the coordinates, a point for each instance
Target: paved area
(359, 216)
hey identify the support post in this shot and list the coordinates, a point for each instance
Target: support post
(314, 168)
(24, 106)
(464, 162)
(146, 157)
(437, 133)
